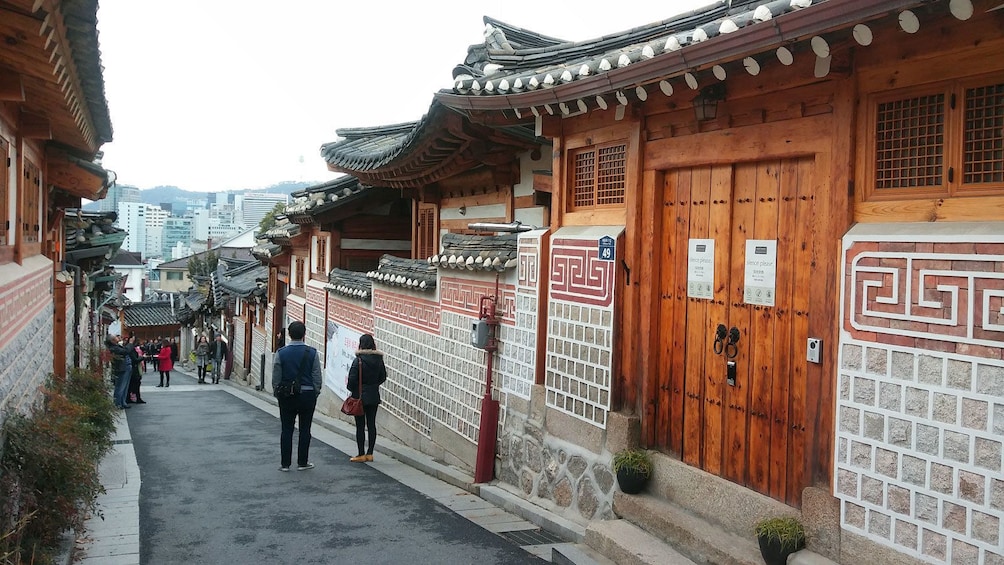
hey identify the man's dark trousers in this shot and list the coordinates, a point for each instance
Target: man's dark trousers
(302, 406)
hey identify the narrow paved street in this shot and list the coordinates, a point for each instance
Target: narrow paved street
(212, 493)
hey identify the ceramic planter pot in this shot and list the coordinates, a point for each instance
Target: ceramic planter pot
(774, 552)
(631, 481)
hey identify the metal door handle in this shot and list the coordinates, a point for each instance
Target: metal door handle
(731, 349)
(720, 339)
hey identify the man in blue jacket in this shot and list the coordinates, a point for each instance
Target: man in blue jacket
(297, 362)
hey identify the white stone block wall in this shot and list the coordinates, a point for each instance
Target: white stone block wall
(518, 363)
(580, 318)
(26, 335)
(239, 344)
(919, 462)
(314, 317)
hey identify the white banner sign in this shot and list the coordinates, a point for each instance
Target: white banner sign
(342, 345)
(761, 271)
(701, 269)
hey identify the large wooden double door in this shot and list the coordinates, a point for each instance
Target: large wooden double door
(749, 428)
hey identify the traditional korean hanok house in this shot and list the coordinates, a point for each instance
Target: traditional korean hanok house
(246, 290)
(150, 320)
(459, 175)
(808, 298)
(53, 120)
(91, 241)
(339, 224)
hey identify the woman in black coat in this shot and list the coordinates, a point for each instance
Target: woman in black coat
(368, 362)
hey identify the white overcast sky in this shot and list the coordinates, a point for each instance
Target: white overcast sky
(226, 94)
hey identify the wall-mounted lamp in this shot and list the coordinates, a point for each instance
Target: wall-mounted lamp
(462, 210)
(706, 103)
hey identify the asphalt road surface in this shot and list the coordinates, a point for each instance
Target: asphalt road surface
(212, 494)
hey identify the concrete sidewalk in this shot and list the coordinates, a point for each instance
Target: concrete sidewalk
(111, 537)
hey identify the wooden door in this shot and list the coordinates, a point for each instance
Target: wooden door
(739, 431)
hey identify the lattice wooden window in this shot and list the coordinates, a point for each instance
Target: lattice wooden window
(983, 140)
(939, 140)
(322, 254)
(910, 142)
(4, 192)
(428, 243)
(31, 203)
(598, 176)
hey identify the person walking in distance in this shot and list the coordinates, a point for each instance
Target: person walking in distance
(121, 369)
(366, 374)
(136, 353)
(219, 357)
(296, 363)
(202, 357)
(165, 362)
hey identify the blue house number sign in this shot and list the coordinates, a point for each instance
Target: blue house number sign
(607, 248)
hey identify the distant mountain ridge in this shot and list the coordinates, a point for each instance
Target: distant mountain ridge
(170, 194)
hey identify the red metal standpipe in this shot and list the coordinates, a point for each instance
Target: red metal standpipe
(484, 471)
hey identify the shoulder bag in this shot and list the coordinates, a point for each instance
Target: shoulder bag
(354, 406)
(292, 388)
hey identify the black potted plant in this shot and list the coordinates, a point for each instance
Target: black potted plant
(633, 468)
(779, 537)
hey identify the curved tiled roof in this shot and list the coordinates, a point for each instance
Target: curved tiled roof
(415, 154)
(243, 281)
(416, 274)
(477, 252)
(575, 76)
(145, 314)
(320, 198)
(350, 284)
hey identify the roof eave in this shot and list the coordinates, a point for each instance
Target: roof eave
(751, 39)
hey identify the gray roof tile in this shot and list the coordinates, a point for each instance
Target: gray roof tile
(416, 274)
(477, 252)
(350, 284)
(145, 314)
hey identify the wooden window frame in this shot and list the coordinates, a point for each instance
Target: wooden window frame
(562, 213)
(321, 255)
(426, 232)
(31, 204)
(953, 145)
(595, 190)
(6, 234)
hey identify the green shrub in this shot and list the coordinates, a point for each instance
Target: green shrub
(786, 529)
(49, 465)
(634, 459)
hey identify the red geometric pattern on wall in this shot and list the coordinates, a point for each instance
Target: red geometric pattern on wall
(21, 300)
(528, 267)
(464, 297)
(350, 314)
(296, 311)
(578, 275)
(918, 294)
(316, 296)
(407, 310)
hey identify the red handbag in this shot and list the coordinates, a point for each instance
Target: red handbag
(354, 406)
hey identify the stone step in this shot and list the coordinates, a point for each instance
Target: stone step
(577, 554)
(695, 537)
(627, 544)
(703, 542)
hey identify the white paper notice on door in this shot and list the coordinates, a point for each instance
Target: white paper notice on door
(761, 271)
(701, 269)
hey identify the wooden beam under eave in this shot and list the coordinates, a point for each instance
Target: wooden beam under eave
(74, 179)
(34, 126)
(11, 87)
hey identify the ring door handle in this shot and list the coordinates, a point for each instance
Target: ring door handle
(731, 347)
(720, 334)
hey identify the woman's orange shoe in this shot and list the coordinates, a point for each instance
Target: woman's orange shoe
(369, 457)
(358, 459)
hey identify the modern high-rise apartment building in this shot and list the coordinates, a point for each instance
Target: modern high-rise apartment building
(155, 219)
(132, 218)
(257, 204)
(175, 230)
(118, 193)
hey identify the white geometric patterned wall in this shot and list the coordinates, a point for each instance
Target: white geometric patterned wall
(919, 460)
